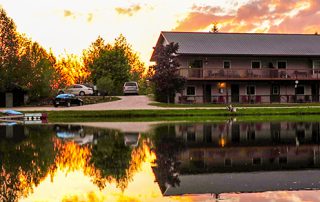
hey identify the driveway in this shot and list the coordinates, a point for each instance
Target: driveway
(126, 103)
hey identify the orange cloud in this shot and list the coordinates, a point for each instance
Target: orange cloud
(128, 11)
(274, 16)
(68, 13)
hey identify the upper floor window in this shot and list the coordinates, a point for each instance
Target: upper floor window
(191, 90)
(255, 64)
(316, 66)
(282, 64)
(196, 64)
(226, 64)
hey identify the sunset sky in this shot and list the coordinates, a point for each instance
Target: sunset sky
(71, 25)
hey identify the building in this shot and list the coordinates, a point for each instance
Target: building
(247, 68)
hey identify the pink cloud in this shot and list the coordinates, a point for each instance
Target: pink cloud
(274, 16)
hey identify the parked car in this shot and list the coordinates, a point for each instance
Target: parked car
(73, 133)
(130, 87)
(67, 100)
(77, 89)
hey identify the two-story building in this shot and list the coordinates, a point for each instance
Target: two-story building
(247, 67)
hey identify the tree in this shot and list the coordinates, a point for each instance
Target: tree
(71, 70)
(136, 66)
(105, 85)
(36, 69)
(114, 64)
(118, 62)
(166, 79)
(8, 51)
(215, 28)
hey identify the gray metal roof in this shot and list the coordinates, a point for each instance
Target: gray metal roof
(244, 43)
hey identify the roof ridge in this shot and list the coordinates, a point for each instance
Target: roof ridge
(237, 33)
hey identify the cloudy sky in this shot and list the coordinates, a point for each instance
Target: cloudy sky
(71, 25)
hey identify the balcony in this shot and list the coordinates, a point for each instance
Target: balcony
(249, 74)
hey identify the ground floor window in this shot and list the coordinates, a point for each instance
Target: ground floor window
(191, 90)
(300, 90)
(251, 90)
(275, 90)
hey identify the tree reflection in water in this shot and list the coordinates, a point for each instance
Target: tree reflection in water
(35, 153)
(25, 159)
(167, 148)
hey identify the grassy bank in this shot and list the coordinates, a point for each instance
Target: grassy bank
(183, 114)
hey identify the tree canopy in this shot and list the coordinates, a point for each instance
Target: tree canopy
(166, 79)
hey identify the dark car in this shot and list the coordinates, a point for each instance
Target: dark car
(67, 100)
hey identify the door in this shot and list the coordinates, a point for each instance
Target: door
(315, 92)
(234, 93)
(275, 93)
(207, 94)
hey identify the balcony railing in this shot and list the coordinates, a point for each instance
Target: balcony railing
(253, 74)
(248, 99)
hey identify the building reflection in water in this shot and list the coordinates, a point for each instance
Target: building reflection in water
(237, 157)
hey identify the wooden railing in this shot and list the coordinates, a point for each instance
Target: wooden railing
(254, 74)
(248, 99)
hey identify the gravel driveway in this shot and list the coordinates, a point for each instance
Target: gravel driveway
(126, 103)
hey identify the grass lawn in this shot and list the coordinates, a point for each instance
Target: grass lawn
(235, 105)
(190, 114)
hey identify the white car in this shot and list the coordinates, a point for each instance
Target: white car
(78, 89)
(130, 88)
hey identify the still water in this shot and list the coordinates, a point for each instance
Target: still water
(226, 161)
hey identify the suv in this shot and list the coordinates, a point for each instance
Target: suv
(78, 89)
(130, 87)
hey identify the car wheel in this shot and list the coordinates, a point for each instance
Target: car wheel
(81, 93)
(80, 103)
(68, 104)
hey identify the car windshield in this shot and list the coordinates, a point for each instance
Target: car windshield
(64, 96)
(130, 84)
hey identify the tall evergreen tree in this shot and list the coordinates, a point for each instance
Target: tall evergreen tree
(166, 78)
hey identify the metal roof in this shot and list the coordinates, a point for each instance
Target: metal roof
(207, 43)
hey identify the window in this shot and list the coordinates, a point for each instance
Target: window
(227, 162)
(282, 64)
(300, 90)
(275, 90)
(316, 66)
(226, 64)
(191, 90)
(251, 90)
(251, 134)
(255, 64)
(283, 160)
(256, 161)
(196, 64)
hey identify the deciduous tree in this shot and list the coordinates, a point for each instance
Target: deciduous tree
(8, 50)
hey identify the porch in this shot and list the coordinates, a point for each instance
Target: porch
(247, 99)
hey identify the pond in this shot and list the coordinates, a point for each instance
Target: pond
(205, 161)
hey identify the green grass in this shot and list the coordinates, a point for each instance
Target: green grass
(185, 114)
(235, 105)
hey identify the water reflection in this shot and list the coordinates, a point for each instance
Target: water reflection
(220, 158)
(261, 161)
